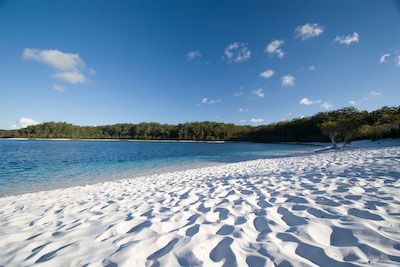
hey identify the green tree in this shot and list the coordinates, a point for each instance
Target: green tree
(331, 129)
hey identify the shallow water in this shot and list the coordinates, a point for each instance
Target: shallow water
(33, 165)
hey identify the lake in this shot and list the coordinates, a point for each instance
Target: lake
(34, 165)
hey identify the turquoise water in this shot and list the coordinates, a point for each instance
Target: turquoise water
(33, 165)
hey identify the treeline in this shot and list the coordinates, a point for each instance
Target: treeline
(340, 125)
(344, 124)
(147, 131)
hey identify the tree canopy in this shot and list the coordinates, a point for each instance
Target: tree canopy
(345, 124)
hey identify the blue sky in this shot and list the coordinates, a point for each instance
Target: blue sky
(246, 62)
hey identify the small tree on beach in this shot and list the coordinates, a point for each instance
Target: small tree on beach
(347, 129)
(331, 129)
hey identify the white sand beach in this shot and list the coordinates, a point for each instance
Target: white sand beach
(334, 208)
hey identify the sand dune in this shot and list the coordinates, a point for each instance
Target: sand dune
(336, 208)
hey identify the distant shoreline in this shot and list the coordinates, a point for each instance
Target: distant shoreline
(172, 141)
(118, 140)
(162, 141)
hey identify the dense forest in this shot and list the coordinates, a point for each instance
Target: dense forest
(340, 125)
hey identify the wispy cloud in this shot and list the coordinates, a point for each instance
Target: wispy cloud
(393, 58)
(312, 68)
(375, 93)
(72, 77)
(288, 80)
(24, 122)
(258, 92)
(237, 52)
(54, 58)
(69, 67)
(250, 93)
(208, 101)
(358, 102)
(192, 55)
(58, 88)
(347, 39)
(267, 74)
(243, 110)
(371, 95)
(326, 105)
(239, 93)
(275, 48)
(256, 120)
(383, 58)
(307, 102)
(309, 30)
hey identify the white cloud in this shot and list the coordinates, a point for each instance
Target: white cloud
(69, 66)
(347, 39)
(242, 121)
(326, 105)
(58, 88)
(288, 80)
(73, 77)
(312, 68)
(375, 93)
(258, 92)
(54, 58)
(24, 122)
(257, 120)
(237, 52)
(207, 101)
(309, 30)
(237, 94)
(384, 58)
(267, 74)
(306, 101)
(249, 93)
(372, 94)
(192, 55)
(275, 48)
(358, 102)
(243, 110)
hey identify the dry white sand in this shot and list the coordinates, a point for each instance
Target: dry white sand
(337, 208)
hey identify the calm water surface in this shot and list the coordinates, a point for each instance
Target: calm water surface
(33, 165)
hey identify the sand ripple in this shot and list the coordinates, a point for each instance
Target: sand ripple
(339, 208)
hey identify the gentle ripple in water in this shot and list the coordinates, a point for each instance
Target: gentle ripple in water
(32, 165)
